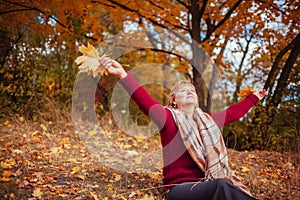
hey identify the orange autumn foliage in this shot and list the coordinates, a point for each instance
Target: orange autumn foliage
(245, 92)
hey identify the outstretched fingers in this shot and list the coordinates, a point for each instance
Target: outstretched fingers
(106, 62)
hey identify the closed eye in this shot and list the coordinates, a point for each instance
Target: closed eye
(184, 90)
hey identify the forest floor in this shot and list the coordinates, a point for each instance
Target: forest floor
(47, 160)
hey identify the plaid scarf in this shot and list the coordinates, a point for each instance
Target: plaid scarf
(205, 144)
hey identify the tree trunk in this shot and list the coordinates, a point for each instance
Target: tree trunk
(283, 79)
(198, 53)
(269, 84)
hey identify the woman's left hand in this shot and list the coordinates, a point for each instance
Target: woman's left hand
(260, 94)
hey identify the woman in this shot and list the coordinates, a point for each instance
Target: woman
(194, 153)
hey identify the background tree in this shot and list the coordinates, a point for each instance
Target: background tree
(39, 46)
(253, 29)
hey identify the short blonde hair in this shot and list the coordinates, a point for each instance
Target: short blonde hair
(176, 88)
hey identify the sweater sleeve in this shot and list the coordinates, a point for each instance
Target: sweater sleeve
(235, 112)
(142, 98)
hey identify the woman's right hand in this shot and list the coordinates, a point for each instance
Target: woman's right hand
(113, 67)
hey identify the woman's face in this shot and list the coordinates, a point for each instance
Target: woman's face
(186, 95)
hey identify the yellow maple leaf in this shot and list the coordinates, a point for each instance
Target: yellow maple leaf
(89, 51)
(89, 62)
(245, 92)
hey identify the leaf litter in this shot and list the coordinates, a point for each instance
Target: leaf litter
(47, 160)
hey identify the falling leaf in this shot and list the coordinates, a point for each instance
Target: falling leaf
(245, 92)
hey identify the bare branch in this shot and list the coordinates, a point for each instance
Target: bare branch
(36, 9)
(143, 16)
(273, 6)
(159, 50)
(16, 10)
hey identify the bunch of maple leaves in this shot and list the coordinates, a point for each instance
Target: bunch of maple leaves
(245, 92)
(89, 62)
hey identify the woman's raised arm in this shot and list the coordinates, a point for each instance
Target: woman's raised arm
(141, 97)
(238, 110)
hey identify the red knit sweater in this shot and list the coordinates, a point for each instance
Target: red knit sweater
(178, 165)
